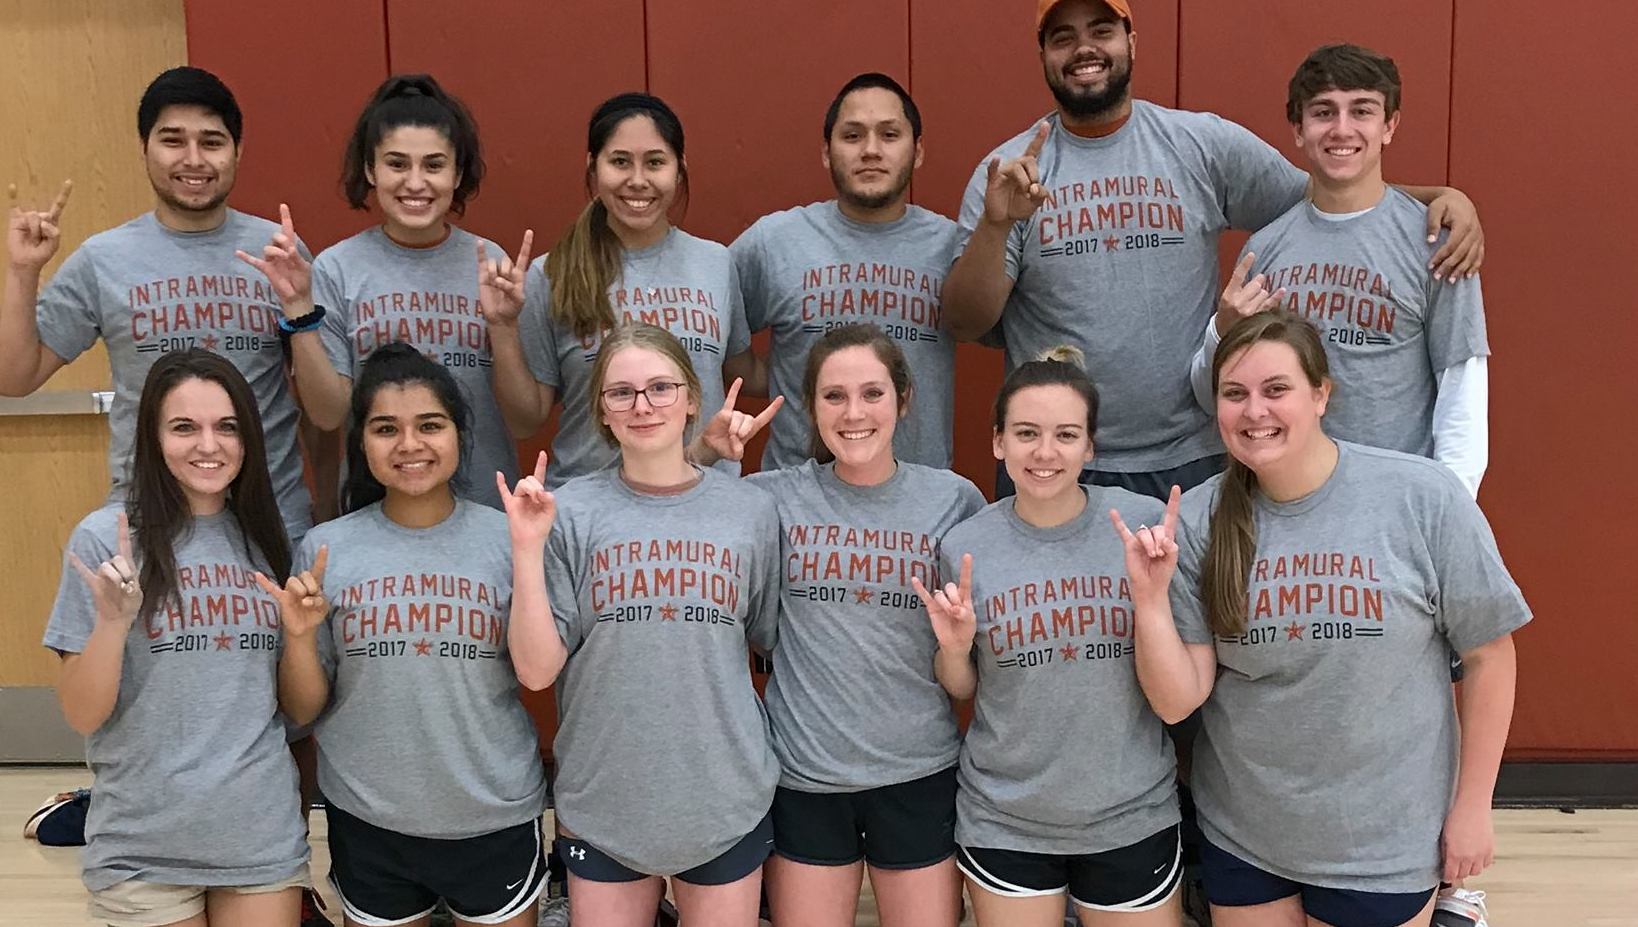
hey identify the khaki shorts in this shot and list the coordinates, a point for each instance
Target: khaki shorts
(152, 904)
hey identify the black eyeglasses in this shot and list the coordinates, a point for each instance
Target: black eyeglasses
(659, 394)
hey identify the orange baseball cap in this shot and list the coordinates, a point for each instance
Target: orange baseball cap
(1043, 7)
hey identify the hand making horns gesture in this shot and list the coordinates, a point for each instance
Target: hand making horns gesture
(114, 586)
(728, 431)
(282, 263)
(500, 283)
(302, 605)
(32, 236)
(530, 509)
(1012, 189)
(951, 609)
(1151, 551)
(1242, 297)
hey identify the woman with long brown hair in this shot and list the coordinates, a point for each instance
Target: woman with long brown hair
(169, 667)
(1319, 585)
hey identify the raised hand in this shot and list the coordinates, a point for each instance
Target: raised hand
(32, 235)
(1151, 551)
(114, 585)
(728, 431)
(302, 605)
(290, 273)
(530, 509)
(1013, 190)
(500, 283)
(1242, 297)
(951, 609)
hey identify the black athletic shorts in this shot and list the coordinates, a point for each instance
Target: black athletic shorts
(386, 878)
(737, 862)
(909, 825)
(1138, 877)
(1231, 882)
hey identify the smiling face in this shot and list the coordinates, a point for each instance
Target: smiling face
(1045, 442)
(414, 175)
(200, 442)
(1086, 57)
(872, 151)
(192, 162)
(410, 441)
(636, 176)
(1342, 134)
(1268, 412)
(855, 408)
(657, 418)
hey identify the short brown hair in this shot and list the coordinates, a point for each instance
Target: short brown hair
(1342, 67)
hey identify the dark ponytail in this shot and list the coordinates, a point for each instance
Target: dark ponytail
(586, 260)
(412, 100)
(398, 364)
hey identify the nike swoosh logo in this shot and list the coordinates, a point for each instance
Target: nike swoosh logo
(515, 884)
(1157, 871)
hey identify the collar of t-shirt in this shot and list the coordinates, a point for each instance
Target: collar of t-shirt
(1102, 130)
(1345, 216)
(1304, 504)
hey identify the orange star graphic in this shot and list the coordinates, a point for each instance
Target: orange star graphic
(223, 641)
(1069, 652)
(1111, 243)
(668, 612)
(862, 596)
(1293, 631)
(423, 648)
(209, 342)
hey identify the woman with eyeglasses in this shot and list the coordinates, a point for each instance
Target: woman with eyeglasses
(639, 590)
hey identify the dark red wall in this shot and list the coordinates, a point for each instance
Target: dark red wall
(1521, 108)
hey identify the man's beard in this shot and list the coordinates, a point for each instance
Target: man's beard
(1093, 104)
(871, 200)
(165, 196)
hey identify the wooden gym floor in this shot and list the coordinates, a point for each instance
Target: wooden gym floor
(1552, 869)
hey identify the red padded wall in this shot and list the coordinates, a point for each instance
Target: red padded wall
(1540, 152)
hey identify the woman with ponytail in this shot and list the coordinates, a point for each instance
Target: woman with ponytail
(621, 261)
(1318, 585)
(1066, 776)
(414, 278)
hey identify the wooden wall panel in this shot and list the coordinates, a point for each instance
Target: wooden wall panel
(91, 59)
(1548, 163)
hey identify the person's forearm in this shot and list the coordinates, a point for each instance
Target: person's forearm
(750, 367)
(1167, 671)
(1485, 707)
(956, 673)
(89, 684)
(538, 653)
(23, 366)
(323, 392)
(303, 687)
(977, 287)
(516, 391)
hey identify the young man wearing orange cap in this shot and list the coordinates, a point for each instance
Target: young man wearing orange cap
(1098, 227)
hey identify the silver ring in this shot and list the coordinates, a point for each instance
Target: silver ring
(127, 587)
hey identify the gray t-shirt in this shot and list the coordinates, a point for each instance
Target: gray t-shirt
(662, 746)
(854, 638)
(807, 270)
(1389, 327)
(1064, 755)
(424, 733)
(377, 291)
(194, 784)
(683, 284)
(1121, 262)
(1328, 748)
(146, 290)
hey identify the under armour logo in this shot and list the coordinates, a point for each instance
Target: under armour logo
(577, 852)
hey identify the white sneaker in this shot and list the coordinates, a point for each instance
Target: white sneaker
(1459, 907)
(554, 912)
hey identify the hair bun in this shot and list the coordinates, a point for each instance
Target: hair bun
(1064, 354)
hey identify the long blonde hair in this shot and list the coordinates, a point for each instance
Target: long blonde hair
(1232, 541)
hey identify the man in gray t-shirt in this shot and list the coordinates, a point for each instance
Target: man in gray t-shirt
(1098, 227)
(165, 280)
(865, 256)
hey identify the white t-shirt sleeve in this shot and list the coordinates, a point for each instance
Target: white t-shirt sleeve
(1200, 368)
(1461, 423)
